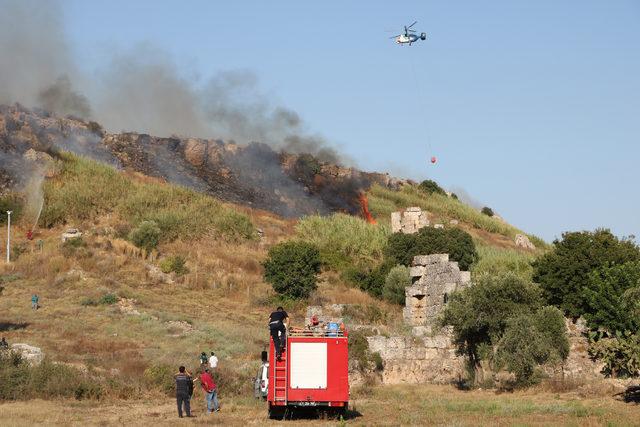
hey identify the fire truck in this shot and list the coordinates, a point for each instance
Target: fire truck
(313, 373)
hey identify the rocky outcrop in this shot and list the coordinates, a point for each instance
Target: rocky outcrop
(523, 241)
(254, 174)
(33, 355)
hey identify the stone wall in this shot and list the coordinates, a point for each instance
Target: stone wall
(434, 278)
(415, 360)
(409, 221)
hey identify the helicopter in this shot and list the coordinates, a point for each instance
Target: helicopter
(408, 36)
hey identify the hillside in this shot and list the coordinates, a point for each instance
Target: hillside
(108, 311)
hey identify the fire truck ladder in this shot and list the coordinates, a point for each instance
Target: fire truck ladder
(280, 380)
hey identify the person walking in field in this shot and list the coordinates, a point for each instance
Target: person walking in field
(278, 321)
(203, 359)
(34, 301)
(213, 361)
(210, 390)
(184, 390)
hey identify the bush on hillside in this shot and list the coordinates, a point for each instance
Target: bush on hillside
(480, 314)
(530, 340)
(431, 187)
(161, 377)
(368, 279)
(20, 380)
(487, 211)
(174, 264)
(564, 272)
(395, 283)
(609, 296)
(146, 235)
(401, 248)
(620, 355)
(292, 268)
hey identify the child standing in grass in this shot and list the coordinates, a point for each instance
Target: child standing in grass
(34, 302)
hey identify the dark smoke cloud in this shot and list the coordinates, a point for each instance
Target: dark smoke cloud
(62, 99)
(140, 90)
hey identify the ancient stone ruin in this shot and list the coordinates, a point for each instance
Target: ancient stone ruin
(433, 279)
(409, 221)
(427, 355)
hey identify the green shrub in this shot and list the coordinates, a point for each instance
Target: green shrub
(564, 272)
(395, 283)
(401, 248)
(501, 319)
(160, 377)
(479, 315)
(368, 279)
(146, 235)
(621, 355)
(610, 306)
(174, 264)
(292, 268)
(531, 340)
(20, 380)
(108, 299)
(360, 353)
(430, 187)
(487, 211)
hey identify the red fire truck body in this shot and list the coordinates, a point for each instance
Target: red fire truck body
(313, 372)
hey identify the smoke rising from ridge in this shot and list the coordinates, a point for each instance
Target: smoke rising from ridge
(140, 90)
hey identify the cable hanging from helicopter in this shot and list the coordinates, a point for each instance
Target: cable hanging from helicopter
(409, 36)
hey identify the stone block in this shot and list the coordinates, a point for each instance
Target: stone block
(396, 222)
(413, 209)
(417, 271)
(430, 259)
(465, 276)
(438, 225)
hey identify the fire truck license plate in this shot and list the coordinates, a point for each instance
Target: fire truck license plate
(308, 404)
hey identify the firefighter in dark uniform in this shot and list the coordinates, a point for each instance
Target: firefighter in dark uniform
(277, 322)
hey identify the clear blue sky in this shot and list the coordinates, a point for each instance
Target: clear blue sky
(531, 107)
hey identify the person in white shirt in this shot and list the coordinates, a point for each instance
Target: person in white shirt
(213, 361)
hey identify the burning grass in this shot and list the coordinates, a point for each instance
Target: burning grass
(87, 189)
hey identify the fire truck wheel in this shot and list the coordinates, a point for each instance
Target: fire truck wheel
(276, 413)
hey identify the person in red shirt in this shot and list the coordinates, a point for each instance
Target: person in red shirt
(211, 391)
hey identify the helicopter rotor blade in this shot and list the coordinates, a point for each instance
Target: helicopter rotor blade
(414, 23)
(393, 37)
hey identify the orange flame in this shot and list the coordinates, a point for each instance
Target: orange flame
(364, 204)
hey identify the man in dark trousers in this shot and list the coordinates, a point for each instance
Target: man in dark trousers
(184, 389)
(277, 321)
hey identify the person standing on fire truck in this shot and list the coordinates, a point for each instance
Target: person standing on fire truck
(277, 322)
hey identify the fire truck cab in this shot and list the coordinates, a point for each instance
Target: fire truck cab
(313, 373)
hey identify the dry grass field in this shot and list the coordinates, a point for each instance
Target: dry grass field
(382, 405)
